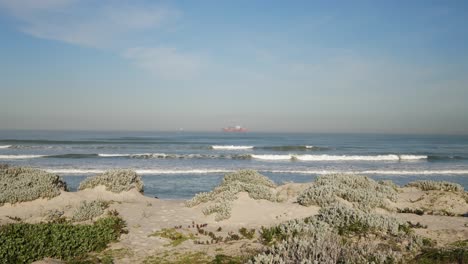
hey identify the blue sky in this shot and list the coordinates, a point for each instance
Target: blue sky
(298, 66)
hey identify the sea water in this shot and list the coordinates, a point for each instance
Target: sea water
(176, 165)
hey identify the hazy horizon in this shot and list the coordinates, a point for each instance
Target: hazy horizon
(270, 66)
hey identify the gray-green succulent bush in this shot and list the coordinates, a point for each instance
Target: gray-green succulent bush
(339, 234)
(117, 181)
(362, 191)
(437, 185)
(89, 210)
(20, 184)
(250, 181)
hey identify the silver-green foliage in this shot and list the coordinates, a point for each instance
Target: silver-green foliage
(437, 185)
(362, 191)
(343, 217)
(310, 241)
(19, 184)
(115, 181)
(252, 182)
(88, 210)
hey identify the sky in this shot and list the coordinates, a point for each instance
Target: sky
(275, 66)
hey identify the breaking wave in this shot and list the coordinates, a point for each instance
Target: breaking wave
(389, 157)
(72, 171)
(231, 147)
(140, 171)
(8, 157)
(292, 148)
(5, 146)
(265, 157)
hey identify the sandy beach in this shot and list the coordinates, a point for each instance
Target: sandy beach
(444, 220)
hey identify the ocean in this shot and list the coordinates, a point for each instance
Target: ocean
(177, 165)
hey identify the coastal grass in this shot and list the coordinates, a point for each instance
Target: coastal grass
(116, 181)
(194, 258)
(20, 184)
(176, 237)
(25, 243)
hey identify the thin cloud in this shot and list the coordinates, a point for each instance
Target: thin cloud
(100, 26)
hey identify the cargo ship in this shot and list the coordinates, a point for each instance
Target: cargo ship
(234, 129)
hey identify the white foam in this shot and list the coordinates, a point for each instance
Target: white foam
(231, 147)
(316, 172)
(384, 172)
(272, 157)
(5, 146)
(21, 156)
(412, 157)
(140, 171)
(390, 157)
(113, 155)
(418, 172)
(309, 147)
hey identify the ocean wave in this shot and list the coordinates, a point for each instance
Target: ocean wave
(5, 146)
(265, 157)
(373, 172)
(113, 155)
(306, 172)
(8, 157)
(231, 147)
(272, 157)
(389, 157)
(141, 171)
(292, 148)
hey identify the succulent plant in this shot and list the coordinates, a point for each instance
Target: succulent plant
(20, 184)
(362, 191)
(88, 210)
(115, 181)
(252, 182)
(437, 185)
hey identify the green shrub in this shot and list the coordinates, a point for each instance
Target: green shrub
(247, 233)
(25, 243)
(362, 191)
(170, 233)
(255, 184)
(18, 184)
(88, 210)
(437, 185)
(115, 181)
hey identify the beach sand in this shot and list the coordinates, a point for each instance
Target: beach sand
(146, 215)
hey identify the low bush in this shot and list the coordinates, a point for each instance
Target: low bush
(339, 234)
(19, 184)
(362, 191)
(252, 182)
(25, 243)
(88, 210)
(247, 233)
(350, 220)
(117, 181)
(437, 185)
(170, 233)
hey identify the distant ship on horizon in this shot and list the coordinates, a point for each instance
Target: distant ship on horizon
(234, 129)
